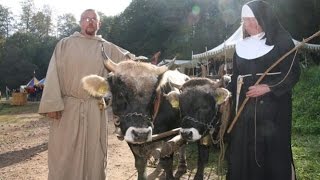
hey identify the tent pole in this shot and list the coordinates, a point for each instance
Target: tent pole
(207, 61)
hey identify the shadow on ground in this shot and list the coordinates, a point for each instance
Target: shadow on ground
(13, 157)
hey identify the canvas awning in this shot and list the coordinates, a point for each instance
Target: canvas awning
(180, 63)
(32, 82)
(42, 81)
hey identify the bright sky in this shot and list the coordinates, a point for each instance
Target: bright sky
(76, 7)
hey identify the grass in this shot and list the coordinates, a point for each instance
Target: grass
(8, 111)
(306, 154)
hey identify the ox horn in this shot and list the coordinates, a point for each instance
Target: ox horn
(162, 69)
(170, 65)
(110, 65)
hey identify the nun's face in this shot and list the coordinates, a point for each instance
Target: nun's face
(251, 25)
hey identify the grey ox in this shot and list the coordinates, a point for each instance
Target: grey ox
(140, 102)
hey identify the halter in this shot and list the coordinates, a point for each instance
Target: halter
(135, 114)
(209, 126)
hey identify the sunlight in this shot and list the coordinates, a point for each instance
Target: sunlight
(75, 7)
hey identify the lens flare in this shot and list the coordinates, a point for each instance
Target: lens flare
(195, 10)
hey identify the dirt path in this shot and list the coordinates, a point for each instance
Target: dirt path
(24, 145)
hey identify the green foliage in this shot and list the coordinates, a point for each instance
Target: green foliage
(67, 25)
(24, 54)
(306, 102)
(306, 155)
(5, 21)
(40, 24)
(7, 110)
(174, 27)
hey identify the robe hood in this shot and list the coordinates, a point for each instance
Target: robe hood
(78, 34)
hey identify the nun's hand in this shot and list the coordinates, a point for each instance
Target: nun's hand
(258, 90)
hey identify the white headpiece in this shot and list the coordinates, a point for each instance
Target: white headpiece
(246, 11)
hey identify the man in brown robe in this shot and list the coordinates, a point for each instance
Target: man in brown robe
(77, 140)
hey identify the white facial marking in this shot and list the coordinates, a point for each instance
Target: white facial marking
(195, 133)
(131, 138)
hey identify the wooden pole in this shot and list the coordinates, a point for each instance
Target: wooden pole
(265, 73)
(165, 134)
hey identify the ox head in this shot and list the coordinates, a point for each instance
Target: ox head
(133, 86)
(199, 100)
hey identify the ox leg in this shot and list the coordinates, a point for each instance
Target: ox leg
(167, 164)
(203, 157)
(182, 167)
(141, 165)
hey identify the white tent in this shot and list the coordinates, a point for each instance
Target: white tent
(184, 66)
(226, 50)
(180, 63)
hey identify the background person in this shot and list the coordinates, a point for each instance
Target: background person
(260, 144)
(77, 139)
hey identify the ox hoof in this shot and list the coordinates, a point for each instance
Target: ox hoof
(182, 169)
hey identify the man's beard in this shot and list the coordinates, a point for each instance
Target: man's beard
(90, 31)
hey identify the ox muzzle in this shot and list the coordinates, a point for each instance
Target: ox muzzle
(136, 128)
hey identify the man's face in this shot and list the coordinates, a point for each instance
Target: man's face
(90, 23)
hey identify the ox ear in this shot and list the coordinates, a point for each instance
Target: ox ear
(173, 98)
(221, 95)
(95, 85)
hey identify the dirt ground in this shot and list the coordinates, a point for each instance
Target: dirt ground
(24, 145)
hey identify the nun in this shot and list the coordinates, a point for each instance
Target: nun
(260, 142)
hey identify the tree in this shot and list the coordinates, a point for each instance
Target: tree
(17, 66)
(107, 23)
(28, 11)
(67, 24)
(40, 24)
(5, 21)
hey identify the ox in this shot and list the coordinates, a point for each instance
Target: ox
(199, 101)
(138, 101)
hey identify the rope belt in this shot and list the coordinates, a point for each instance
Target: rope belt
(240, 82)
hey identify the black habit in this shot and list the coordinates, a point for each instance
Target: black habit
(260, 146)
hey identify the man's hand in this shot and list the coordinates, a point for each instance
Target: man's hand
(258, 90)
(54, 115)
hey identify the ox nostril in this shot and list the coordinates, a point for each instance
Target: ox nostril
(134, 133)
(186, 134)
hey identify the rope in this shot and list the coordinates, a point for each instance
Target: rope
(132, 175)
(223, 127)
(294, 57)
